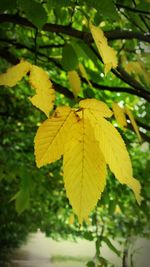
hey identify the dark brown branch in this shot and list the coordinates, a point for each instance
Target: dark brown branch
(129, 35)
(129, 90)
(5, 54)
(111, 35)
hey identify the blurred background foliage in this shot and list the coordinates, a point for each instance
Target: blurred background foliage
(55, 36)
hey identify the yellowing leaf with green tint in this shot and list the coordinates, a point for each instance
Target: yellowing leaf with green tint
(114, 151)
(15, 74)
(138, 69)
(133, 122)
(119, 114)
(107, 53)
(84, 169)
(45, 94)
(84, 74)
(99, 107)
(52, 135)
(75, 82)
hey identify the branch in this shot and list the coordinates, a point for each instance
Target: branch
(23, 46)
(129, 90)
(4, 53)
(63, 90)
(133, 9)
(131, 80)
(111, 35)
(125, 77)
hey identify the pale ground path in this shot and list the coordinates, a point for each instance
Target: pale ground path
(39, 250)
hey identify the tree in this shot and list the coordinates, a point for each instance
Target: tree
(57, 37)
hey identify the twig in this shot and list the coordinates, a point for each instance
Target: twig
(133, 9)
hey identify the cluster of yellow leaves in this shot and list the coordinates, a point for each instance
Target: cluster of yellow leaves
(107, 53)
(88, 142)
(120, 116)
(39, 80)
(84, 137)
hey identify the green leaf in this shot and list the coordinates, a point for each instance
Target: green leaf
(61, 15)
(110, 245)
(85, 52)
(112, 206)
(144, 6)
(90, 264)
(105, 8)
(88, 236)
(57, 3)
(34, 11)
(22, 198)
(69, 58)
(7, 5)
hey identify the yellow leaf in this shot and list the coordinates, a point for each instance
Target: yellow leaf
(52, 134)
(75, 82)
(15, 74)
(114, 151)
(107, 53)
(119, 115)
(84, 74)
(138, 69)
(84, 169)
(99, 107)
(45, 94)
(132, 120)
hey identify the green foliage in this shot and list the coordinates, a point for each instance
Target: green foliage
(90, 264)
(105, 9)
(38, 194)
(69, 58)
(7, 5)
(34, 11)
(56, 3)
(110, 245)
